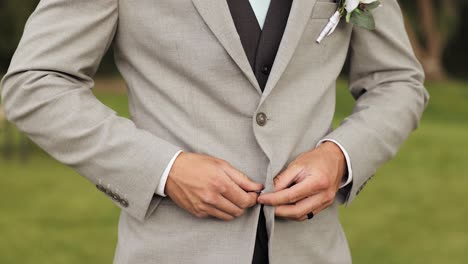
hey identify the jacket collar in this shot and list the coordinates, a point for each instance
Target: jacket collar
(217, 16)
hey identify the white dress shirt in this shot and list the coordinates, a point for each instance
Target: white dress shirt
(260, 8)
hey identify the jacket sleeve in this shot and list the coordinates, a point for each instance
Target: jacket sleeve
(386, 80)
(47, 95)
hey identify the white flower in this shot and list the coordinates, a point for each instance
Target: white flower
(350, 5)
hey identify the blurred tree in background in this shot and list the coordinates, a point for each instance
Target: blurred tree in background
(436, 29)
(433, 27)
(13, 15)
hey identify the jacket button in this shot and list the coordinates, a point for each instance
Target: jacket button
(266, 69)
(124, 203)
(108, 192)
(115, 197)
(100, 187)
(261, 119)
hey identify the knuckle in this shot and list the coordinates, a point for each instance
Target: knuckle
(209, 198)
(304, 212)
(239, 212)
(323, 182)
(199, 210)
(222, 189)
(296, 218)
(229, 218)
(244, 203)
(296, 213)
(198, 207)
(219, 171)
(276, 178)
(329, 196)
(293, 165)
(291, 197)
(219, 185)
(201, 214)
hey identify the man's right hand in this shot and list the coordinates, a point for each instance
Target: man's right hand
(207, 186)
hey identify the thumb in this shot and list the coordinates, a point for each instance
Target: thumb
(243, 180)
(286, 177)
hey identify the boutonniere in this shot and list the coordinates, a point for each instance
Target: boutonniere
(357, 12)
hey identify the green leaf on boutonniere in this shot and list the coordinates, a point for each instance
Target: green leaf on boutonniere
(363, 19)
(357, 12)
(373, 5)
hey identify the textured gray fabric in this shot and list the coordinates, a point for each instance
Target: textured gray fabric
(191, 87)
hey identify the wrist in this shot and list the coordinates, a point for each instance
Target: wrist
(336, 152)
(174, 168)
(161, 189)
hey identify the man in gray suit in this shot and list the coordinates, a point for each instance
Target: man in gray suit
(220, 112)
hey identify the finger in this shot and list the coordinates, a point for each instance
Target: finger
(243, 180)
(293, 194)
(228, 207)
(287, 177)
(235, 194)
(253, 198)
(300, 210)
(323, 206)
(213, 211)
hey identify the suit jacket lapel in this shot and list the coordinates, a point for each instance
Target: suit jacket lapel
(297, 21)
(218, 18)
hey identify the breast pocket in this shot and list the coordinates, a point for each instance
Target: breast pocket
(332, 45)
(324, 9)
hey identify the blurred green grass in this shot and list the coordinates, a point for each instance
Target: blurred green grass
(413, 211)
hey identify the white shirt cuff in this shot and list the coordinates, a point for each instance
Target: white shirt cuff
(348, 161)
(162, 182)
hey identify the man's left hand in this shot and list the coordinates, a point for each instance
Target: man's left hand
(308, 184)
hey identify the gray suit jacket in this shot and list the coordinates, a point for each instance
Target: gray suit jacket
(190, 86)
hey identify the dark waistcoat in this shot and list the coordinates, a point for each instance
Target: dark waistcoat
(260, 46)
